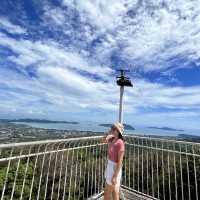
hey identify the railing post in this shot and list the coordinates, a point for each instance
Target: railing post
(169, 177)
(66, 170)
(27, 164)
(54, 173)
(181, 168)
(61, 163)
(158, 180)
(195, 173)
(16, 174)
(175, 172)
(188, 173)
(47, 176)
(38, 195)
(6, 177)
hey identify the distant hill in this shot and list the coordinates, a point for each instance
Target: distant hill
(189, 138)
(126, 126)
(36, 121)
(165, 128)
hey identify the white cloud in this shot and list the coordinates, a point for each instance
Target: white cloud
(148, 34)
(11, 28)
(54, 15)
(154, 95)
(101, 13)
(51, 53)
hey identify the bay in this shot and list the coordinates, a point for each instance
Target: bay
(94, 127)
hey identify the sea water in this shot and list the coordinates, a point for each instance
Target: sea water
(95, 127)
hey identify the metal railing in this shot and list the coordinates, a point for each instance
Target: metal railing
(54, 169)
(74, 168)
(164, 169)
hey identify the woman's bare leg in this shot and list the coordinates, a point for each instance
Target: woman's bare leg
(115, 193)
(108, 191)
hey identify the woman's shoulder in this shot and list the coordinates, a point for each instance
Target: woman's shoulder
(120, 145)
(120, 141)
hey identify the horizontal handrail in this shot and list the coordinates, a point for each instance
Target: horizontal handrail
(162, 139)
(47, 152)
(74, 167)
(152, 138)
(47, 141)
(164, 150)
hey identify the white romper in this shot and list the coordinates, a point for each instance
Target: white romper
(110, 169)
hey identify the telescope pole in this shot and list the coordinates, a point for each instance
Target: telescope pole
(121, 104)
(122, 81)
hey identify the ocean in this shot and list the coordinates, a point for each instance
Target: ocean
(95, 127)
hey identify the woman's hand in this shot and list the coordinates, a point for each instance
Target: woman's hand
(114, 179)
(107, 137)
(110, 136)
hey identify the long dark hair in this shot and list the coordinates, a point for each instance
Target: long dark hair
(120, 136)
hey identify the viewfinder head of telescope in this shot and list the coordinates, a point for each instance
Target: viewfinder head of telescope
(122, 80)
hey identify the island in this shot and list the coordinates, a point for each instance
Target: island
(126, 126)
(37, 121)
(164, 128)
(190, 138)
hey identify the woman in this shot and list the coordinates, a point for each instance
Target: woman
(113, 170)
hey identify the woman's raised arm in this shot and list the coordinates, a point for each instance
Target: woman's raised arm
(107, 137)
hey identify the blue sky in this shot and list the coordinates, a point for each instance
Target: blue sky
(58, 60)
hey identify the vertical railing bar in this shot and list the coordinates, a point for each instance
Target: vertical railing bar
(38, 194)
(89, 156)
(125, 166)
(80, 169)
(71, 172)
(101, 168)
(181, 170)
(16, 174)
(99, 164)
(176, 194)
(169, 178)
(188, 173)
(33, 178)
(76, 169)
(6, 177)
(138, 167)
(129, 166)
(92, 168)
(142, 167)
(134, 164)
(85, 169)
(61, 167)
(96, 170)
(152, 171)
(66, 168)
(23, 184)
(54, 173)
(147, 167)
(195, 173)
(47, 176)
(102, 183)
(158, 182)
(163, 171)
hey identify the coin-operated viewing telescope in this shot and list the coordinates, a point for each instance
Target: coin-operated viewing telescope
(122, 81)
